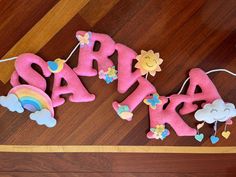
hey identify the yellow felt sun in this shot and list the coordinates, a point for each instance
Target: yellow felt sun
(148, 62)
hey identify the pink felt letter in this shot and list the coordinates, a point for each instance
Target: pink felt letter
(209, 92)
(144, 89)
(74, 87)
(169, 115)
(87, 55)
(125, 76)
(23, 66)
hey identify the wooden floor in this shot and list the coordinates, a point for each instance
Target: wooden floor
(187, 33)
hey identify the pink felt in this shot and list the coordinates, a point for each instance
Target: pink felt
(144, 89)
(210, 93)
(160, 116)
(170, 116)
(126, 78)
(74, 87)
(23, 66)
(87, 55)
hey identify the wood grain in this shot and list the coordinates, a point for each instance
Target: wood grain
(42, 32)
(32, 174)
(188, 34)
(117, 163)
(117, 149)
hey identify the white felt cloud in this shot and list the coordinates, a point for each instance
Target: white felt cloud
(217, 111)
(12, 103)
(43, 117)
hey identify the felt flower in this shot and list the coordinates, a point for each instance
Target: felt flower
(108, 79)
(148, 62)
(124, 112)
(160, 132)
(101, 74)
(112, 72)
(84, 40)
(158, 136)
(153, 101)
(164, 134)
(109, 76)
(160, 129)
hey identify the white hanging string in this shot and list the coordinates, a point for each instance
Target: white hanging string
(72, 52)
(211, 71)
(225, 127)
(8, 59)
(215, 128)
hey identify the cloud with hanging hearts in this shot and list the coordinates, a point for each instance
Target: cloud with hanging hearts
(12, 103)
(43, 117)
(217, 111)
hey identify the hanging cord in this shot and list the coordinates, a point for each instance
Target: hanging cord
(215, 128)
(8, 59)
(72, 52)
(225, 127)
(211, 71)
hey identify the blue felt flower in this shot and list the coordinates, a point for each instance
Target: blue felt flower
(164, 134)
(153, 102)
(124, 112)
(123, 108)
(108, 79)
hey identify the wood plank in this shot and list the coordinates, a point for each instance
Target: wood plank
(117, 163)
(118, 149)
(39, 174)
(42, 32)
(187, 35)
(18, 17)
(120, 14)
(99, 11)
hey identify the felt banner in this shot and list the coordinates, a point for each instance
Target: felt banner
(162, 109)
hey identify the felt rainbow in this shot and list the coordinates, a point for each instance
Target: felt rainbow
(32, 98)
